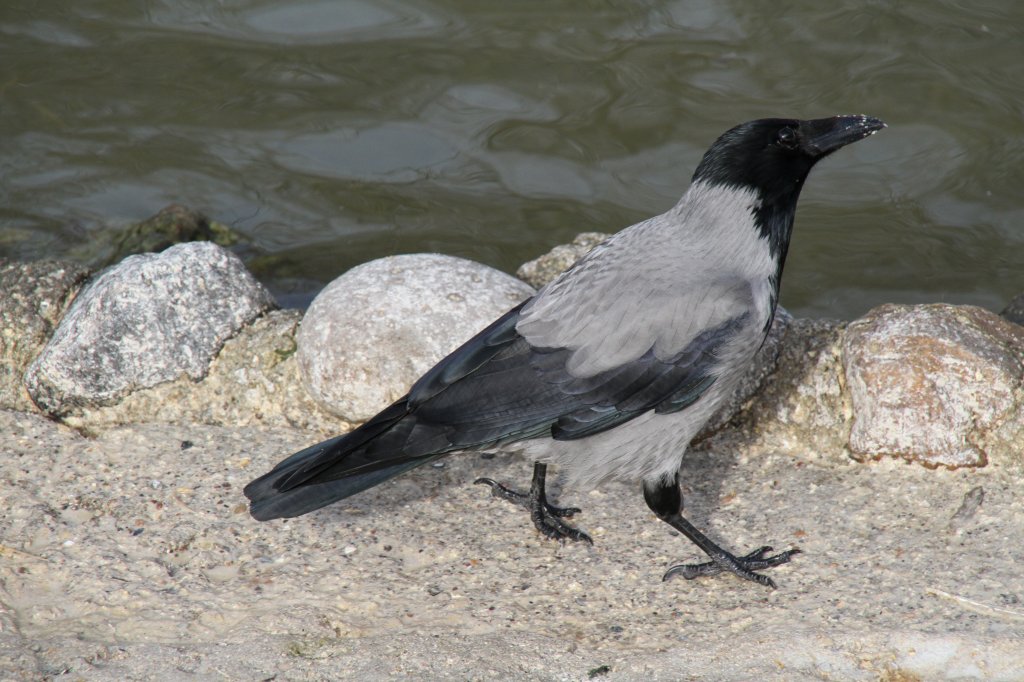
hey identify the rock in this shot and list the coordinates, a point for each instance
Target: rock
(174, 224)
(543, 269)
(928, 382)
(376, 329)
(803, 407)
(144, 321)
(253, 381)
(1014, 312)
(33, 296)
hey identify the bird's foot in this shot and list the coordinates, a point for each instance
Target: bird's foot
(548, 521)
(546, 517)
(743, 566)
(524, 500)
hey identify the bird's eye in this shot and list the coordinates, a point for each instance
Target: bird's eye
(787, 138)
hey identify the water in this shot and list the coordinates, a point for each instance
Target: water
(329, 133)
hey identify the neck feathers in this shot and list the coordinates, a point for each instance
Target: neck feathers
(743, 218)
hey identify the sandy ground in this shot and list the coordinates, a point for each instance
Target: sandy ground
(131, 556)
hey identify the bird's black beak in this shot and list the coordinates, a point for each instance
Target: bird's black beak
(825, 135)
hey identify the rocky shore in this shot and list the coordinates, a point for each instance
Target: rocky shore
(136, 401)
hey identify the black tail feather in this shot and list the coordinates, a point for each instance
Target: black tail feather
(267, 502)
(319, 459)
(391, 443)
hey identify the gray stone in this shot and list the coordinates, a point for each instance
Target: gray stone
(33, 297)
(253, 381)
(376, 329)
(144, 321)
(543, 269)
(803, 407)
(928, 382)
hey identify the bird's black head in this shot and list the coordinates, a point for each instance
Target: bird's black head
(774, 155)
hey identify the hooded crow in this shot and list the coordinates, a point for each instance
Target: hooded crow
(611, 369)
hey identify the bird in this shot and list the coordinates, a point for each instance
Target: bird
(611, 369)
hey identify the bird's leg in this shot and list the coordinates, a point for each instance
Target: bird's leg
(546, 517)
(666, 501)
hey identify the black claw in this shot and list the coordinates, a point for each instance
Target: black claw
(552, 527)
(523, 499)
(743, 566)
(501, 492)
(564, 512)
(546, 517)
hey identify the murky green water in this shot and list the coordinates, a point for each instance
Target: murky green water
(331, 132)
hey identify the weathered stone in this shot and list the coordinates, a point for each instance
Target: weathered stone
(376, 329)
(173, 224)
(927, 382)
(543, 269)
(253, 381)
(802, 407)
(33, 296)
(144, 321)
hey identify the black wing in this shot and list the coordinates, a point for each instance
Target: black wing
(497, 387)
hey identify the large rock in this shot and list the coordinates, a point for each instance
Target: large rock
(803, 407)
(376, 329)
(147, 320)
(33, 297)
(253, 381)
(928, 382)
